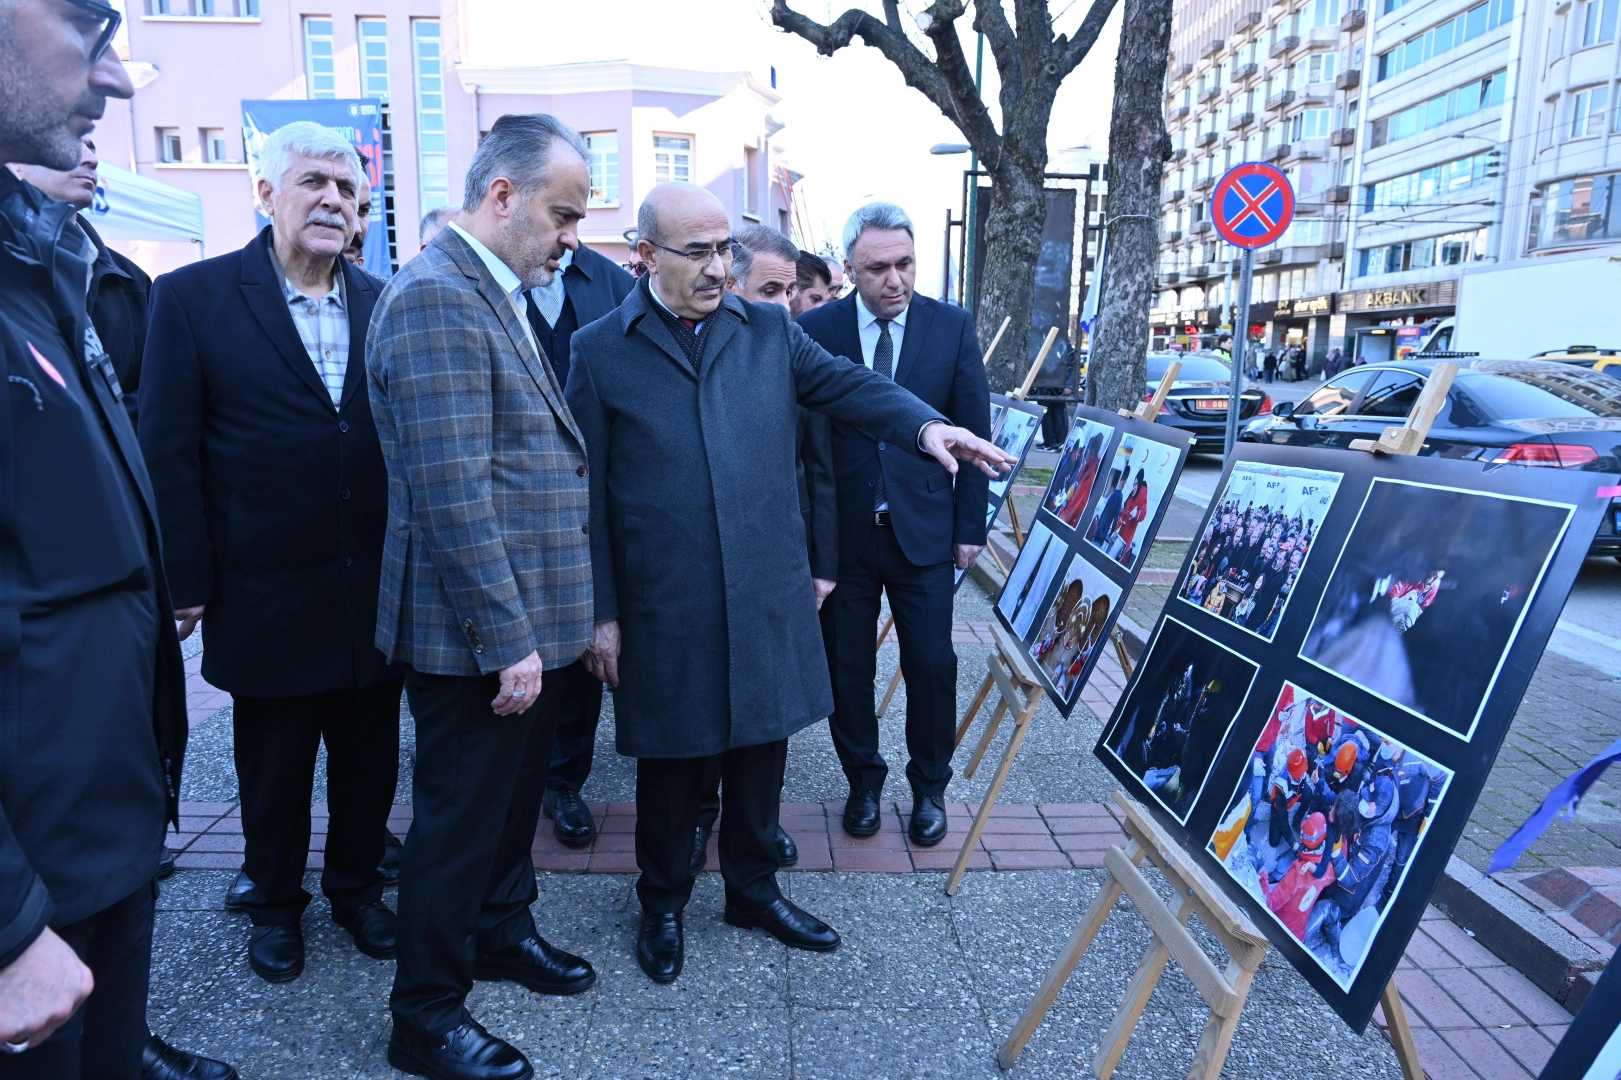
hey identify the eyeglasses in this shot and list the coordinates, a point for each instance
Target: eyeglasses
(111, 18)
(701, 257)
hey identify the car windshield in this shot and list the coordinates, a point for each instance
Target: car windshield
(1536, 393)
(1194, 368)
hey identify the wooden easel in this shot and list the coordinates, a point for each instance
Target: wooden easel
(1148, 411)
(1225, 992)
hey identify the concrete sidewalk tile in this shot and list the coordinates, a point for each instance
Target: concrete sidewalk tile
(207, 809)
(1431, 1002)
(1086, 860)
(1427, 953)
(316, 860)
(1485, 1055)
(570, 863)
(208, 860)
(1012, 810)
(1525, 996)
(941, 859)
(1030, 860)
(604, 809)
(1600, 911)
(1068, 810)
(883, 840)
(1089, 843)
(812, 856)
(616, 823)
(1470, 953)
(613, 862)
(879, 861)
(1009, 826)
(1528, 1045)
(179, 841)
(1018, 842)
(616, 841)
(1478, 1000)
(803, 809)
(194, 824)
(1441, 1062)
(546, 841)
(217, 842)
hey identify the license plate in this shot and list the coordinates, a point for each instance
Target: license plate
(1210, 404)
(1616, 510)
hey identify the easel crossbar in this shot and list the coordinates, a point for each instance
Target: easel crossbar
(1168, 928)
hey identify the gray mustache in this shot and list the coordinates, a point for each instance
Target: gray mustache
(323, 217)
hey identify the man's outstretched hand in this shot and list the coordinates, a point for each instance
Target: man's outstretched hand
(949, 444)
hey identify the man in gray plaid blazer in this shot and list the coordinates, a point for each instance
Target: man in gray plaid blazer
(486, 588)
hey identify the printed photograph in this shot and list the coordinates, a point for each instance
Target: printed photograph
(1167, 731)
(1073, 630)
(1324, 825)
(1077, 471)
(1137, 483)
(1259, 536)
(1429, 593)
(1028, 580)
(1012, 430)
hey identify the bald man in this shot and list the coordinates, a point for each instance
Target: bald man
(706, 616)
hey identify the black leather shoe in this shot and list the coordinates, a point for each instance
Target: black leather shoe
(241, 893)
(372, 927)
(160, 1061)
(572, 822)
(166, 863)
(928, 825)
(788, 924)
(390, 866)
(276, 953)
(464, 1053)
(661, 946)
(862, 815)
(787, 850)
(700, 849)
(534, 963)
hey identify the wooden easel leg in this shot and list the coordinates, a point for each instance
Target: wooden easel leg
(1021, 725)
(1217, 1037)
(1120, 652)
(1013, 514)
(1138, 992)
(985, 742)
(1064, 966)
(889, 625)
(890, 693)
(973, 709)
(1401, 1033)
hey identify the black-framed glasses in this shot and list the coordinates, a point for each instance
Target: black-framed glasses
(111, 18)
(701, 257)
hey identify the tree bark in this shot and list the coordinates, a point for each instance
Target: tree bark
(1117, 370)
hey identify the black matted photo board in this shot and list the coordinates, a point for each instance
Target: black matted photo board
(1591, 1048)
(1325, 691)
(1097, 519)
(1014, 426)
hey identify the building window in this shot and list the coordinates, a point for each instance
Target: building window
(1325, 13)
(1322, 67)
(1598, 21)
(168, 144)
(433, 169)
(603, 150)
(1452, 249)
(1448, 36)
(1463, 101)
(672, 158)
(1310, 124)
(1589, 110)
(319, 60)
(213, 143)
(1576, 211)
(1430, 183)
(373, 35)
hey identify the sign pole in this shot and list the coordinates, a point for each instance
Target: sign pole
(1241, 334)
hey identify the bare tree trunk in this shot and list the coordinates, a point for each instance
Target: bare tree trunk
(1018, 213)
(1138, 147)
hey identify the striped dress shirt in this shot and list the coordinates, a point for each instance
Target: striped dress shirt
(323, 327)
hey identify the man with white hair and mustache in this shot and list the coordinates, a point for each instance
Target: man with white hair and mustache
(257, 427)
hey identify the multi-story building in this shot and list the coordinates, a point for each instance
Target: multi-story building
(196, 61)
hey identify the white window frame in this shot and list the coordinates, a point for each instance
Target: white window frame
(603, 161)
(673, 167)
(320, 68)
(372, 47)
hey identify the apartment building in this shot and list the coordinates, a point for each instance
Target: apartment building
(195, 61)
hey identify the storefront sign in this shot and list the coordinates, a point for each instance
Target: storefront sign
(1431, 294)
(1305, 306)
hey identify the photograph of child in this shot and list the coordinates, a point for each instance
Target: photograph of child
(1137, 483)
(1324, 826)
(1429, 593)
(1031, 574)
(1073, 629)
(1076, 473)
(1011, 430)
(1167, 730)
(1259, 536)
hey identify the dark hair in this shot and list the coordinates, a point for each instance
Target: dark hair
(810, 268)
(518, 147)
(752, 240)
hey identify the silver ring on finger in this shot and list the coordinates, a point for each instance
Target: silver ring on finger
(16, 1047)
(519, 693)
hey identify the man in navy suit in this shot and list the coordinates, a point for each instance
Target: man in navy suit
(904, 526)
(586, 287)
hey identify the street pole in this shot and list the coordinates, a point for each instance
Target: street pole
(1241, 334)
(969, 300)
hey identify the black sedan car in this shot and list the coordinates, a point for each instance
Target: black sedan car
(1523, 412)
(1198, 399)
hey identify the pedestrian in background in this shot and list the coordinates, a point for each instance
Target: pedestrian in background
(1331, 363)
(813, 284)
(1270, 364)
(257, 426)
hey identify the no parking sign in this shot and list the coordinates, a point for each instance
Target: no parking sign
(1253, 205)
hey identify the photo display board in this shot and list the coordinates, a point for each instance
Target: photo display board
(1014, 426)
(1100, 513)
(1325, 691)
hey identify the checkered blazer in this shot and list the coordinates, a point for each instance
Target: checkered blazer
(486, 556)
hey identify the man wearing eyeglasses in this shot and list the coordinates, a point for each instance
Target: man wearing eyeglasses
(705, 612)
(92, 713)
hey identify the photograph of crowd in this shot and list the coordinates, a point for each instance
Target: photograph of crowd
(1012, 429)
(1077, 470)
(1429, 593)
(1137, 484)
(1188, 691)
(1324, 825)
(1027, 583)
(1074, 627)
(1259, 536)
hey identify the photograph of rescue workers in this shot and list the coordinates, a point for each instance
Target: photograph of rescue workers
(1074, 627)
(1255, 543)
(1175, 716)
(1137, 484)
(1011, 430)
(1429, 593)
(1324, 824)
(1076, 473)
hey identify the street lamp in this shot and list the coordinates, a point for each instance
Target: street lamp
(944, 148)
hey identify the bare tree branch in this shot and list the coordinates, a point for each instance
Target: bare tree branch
(1086, 35)
(972, 118)
(1035, 29)
(991, 20)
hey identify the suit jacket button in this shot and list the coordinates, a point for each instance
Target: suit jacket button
(343, 425)
(344, 494)
(872, 483)
(882, 446)
(478, 648)
(348, 561)
(586, 528)
(580, 471)
(467, 624)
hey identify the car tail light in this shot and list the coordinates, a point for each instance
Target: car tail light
(1164, 409)
(1266, 404)
(1558, 455)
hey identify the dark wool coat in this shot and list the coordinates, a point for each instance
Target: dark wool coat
(697, 541)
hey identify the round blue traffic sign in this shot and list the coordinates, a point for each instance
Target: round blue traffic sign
(1252, 205)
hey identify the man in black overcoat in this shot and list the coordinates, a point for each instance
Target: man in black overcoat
(256, 421)
(706, 616)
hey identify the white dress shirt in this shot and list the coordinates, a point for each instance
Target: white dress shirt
(867, 325)
(504, 277)
(552, 297)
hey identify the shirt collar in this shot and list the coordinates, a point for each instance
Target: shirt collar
(659, 300)
(500, 271)
(292, 294)
(865, 318)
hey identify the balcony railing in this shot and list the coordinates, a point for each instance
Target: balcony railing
(1206, 138)
(1339, 193)
(1353, 20)
(1342, 137)
(1240, 120)
(1282, 99)
(1277, 153)
(1284, 45)
(1348, 80)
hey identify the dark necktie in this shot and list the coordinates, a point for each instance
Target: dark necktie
(883, 362)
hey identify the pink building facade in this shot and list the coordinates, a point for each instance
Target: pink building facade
(195, 61)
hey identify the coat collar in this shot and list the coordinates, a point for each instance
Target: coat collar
(637, 310)
(919, 313)
(262, 289)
